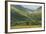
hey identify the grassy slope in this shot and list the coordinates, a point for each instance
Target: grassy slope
(26, 26)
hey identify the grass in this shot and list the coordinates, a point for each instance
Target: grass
(25, 26)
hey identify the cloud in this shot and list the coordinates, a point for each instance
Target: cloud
(32, 7)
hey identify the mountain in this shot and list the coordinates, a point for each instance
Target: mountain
(21, 10)
(38, 10)
(19, 13)
(24, 11)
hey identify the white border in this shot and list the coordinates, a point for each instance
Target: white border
(25, 29)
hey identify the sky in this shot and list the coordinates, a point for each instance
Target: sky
(32, 7)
